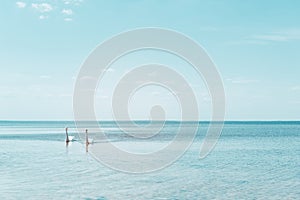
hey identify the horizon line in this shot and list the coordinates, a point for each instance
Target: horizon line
(144, 120)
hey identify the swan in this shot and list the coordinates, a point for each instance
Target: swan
(87, 141)
(69, 138)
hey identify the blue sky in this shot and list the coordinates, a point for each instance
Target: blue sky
(255, 45)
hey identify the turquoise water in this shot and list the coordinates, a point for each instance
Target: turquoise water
(252, 160)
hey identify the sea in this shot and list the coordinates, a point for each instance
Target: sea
(251, 160)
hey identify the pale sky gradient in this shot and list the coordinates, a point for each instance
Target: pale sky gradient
(255, 45)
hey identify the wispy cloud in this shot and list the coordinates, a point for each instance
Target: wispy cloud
(102, 96)
(109, 70)
(73, 2)
(21, 4)
(295, 88)
(294, 102)
(88, 78)
(67, 11)
(241, 80)
(205, 97)
(270, 37)
(278, 36)
(65, 95)
(42, 7)
(43, 17)
(208, 28)
(64, 8)
(292, 34)
(155, 93)
(68, 19)
(45, 77)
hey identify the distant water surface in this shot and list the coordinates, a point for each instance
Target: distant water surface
(252, 160)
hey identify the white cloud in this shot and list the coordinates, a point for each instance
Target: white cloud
(247, 42)
(294, 102)
(42, 7)
(102, 96)
(155, 93)
(43, 17)
(88, 78)
(45, 77)
(270, 37)
(21, 4)
(66, 2)
(241, 80)
(208, 28)
(67, 11)
(68, 19)
(279, 36)
(286, 35)
(109, 70)
(65, 95)
(73, 2)
(295, 88)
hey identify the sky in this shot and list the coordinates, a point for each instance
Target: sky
(254, 44)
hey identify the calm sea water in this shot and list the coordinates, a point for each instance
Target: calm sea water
(252, 160)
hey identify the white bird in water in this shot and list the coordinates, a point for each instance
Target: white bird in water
(69, 138)
(87, 141)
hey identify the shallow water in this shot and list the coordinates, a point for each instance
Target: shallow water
(252, 160)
